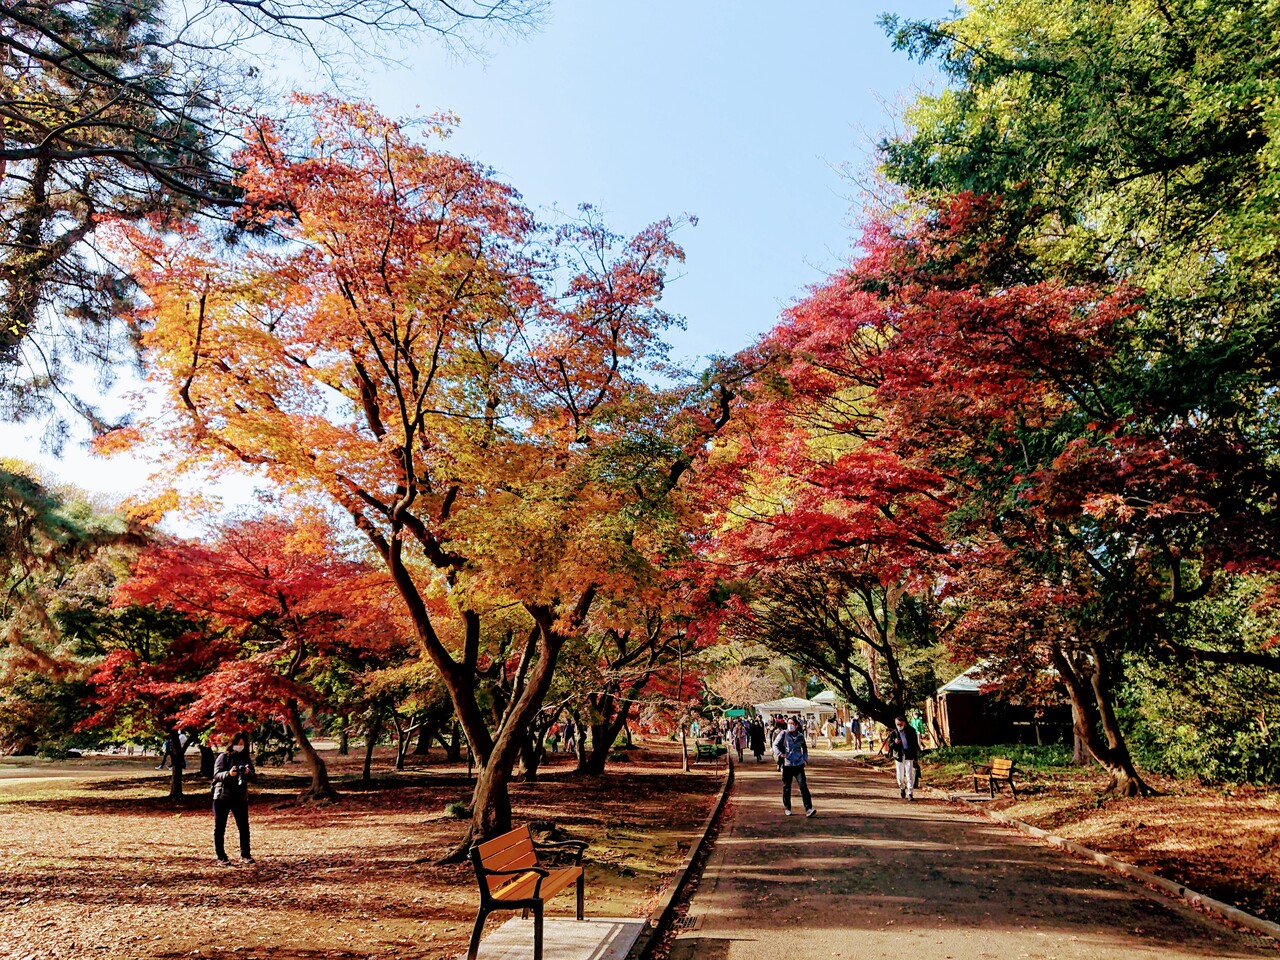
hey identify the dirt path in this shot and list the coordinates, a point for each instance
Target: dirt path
(872, 876)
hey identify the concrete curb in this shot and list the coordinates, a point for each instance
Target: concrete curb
(1176, 890)
(662, 914)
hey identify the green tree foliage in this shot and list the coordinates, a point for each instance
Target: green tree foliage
(61, 554)
(1134, 143)
(47, 539)
(1213, 722)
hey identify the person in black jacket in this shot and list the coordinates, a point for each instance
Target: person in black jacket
(232, 772)
(757, 738)
(904, 745)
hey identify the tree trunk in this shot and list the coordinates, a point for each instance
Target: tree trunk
(320, 788)
(371, 733)
(403, 731)
(603, 736)
(425, 735)
(344, 737)
(178, 761)
(1094, 720)
(453, 749)
(491, 800)
(533, 750)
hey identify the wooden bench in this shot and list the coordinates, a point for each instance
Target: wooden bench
(511, 878)
(998, 771)
(708, 750)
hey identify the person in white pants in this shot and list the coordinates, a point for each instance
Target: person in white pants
(904, 745)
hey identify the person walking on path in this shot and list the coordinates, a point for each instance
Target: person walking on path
(904, 746)
(232, 772)
(757, 738)
(792, 752)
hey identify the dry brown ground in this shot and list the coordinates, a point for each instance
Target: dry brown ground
(1221, 841)
(106, 868)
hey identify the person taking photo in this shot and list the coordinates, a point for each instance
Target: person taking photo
(232, 773)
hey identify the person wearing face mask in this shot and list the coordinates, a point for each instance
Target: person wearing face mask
(232, 772)
(792, 752)
(904, 745)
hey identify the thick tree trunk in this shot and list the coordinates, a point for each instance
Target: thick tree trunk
(603, 736)
(491, 801)
(344, 737)
(1094, 720)
(453, 749)
(320, 788)
(426, 733)
(532, 750)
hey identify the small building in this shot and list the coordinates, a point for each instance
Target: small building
(971, 711)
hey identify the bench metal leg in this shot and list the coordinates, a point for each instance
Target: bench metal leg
(1013, 789)
(475, 936)
(582, 882)
(992, 783)
(537, 932)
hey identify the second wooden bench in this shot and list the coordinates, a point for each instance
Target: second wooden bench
(997, 772)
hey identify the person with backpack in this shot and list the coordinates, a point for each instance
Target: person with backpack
(792, 753)
(904, 746)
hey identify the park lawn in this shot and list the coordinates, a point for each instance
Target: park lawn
(106, 867)
(1223, 841)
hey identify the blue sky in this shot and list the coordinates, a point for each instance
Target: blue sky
(739, 113)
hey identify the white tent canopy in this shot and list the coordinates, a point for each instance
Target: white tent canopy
(795, 706)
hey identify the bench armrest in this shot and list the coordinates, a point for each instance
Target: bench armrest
(983, 771)
(579, 845)
(485, 892)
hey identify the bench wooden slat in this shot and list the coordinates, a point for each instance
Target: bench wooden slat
(509, 839)
(1001, 767)
(523, 886)
(512, 858)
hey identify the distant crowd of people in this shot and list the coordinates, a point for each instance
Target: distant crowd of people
(787, 738)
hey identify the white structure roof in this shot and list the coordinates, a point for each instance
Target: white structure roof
(971, 681)
(826, 696)
(793, 705)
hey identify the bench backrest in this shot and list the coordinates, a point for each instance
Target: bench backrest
(1000, 767)
(511, 851)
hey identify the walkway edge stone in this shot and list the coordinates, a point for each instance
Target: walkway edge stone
(1179, 890)
(1174, 889)
(662, 914)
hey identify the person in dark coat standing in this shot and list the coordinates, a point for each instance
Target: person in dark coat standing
(232, 773)
(757, 738)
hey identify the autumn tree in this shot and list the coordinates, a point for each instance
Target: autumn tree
(1122, 155)
(607, 674)
(149, 663)
(131, 109)
(290, 603)
(742, 686)
(472, 399)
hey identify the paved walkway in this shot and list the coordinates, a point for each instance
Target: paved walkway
(872, 877)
